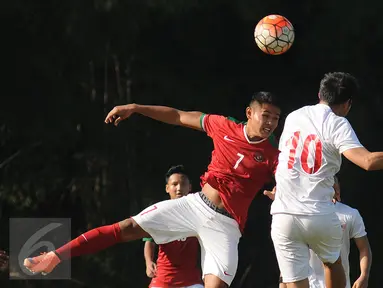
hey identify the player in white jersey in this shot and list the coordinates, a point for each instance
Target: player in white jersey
(353, 228)
(312, 143)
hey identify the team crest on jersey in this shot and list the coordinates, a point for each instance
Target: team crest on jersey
(259, 157)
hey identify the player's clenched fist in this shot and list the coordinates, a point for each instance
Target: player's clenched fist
(151, 269)
(119, 113)
(361, 282)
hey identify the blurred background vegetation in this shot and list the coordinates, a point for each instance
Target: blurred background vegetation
(67, 63)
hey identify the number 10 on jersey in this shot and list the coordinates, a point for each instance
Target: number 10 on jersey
(305, 153)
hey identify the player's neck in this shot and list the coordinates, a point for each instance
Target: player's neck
(252, 135)
(334, 108)
(324, 103)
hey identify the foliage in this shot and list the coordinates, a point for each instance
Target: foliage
(68, 62)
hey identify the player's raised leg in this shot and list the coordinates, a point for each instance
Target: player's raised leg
(90, 242)
(159, 221)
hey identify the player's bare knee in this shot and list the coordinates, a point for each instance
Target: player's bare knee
(334, 264)
(216, 285)
(299, 284)
(212, 281)
(130, 230)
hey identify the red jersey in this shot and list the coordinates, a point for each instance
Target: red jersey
(239, 168)
(177, 264)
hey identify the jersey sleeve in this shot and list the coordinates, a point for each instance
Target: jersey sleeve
(147, 239)
(344, 137)
(210, 123)
(357, 227)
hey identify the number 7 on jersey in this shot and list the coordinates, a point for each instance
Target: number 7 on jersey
(239, 160)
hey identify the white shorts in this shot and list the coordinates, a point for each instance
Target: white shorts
(192, 286)
(293, 235)
(189, 216)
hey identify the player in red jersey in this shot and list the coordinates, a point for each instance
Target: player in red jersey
(243, 160)
(177, 261)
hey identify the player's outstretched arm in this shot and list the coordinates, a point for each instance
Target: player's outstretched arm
(164, 114)
(365, 258)
(151, 267)
(365, 159)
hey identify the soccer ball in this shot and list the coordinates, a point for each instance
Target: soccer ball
(274, 34)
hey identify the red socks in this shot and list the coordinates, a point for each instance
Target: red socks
(91, 242)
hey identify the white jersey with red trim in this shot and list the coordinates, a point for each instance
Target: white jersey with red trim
(353, 227)
(311, 145)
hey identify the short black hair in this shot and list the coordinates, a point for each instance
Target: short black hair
(177, 169)
(338, 87)
(264, 97)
